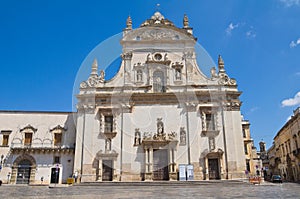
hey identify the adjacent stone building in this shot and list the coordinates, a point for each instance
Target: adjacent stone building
(253, 161)
(36, 147)
(284, 154)
(157, 117)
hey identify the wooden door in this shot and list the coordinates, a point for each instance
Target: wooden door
(24, 170)
(54, 175)
(213, 169)
(107, 170)
(160, 165)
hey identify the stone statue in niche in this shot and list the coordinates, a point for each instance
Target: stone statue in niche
(160, 126)
(137, 137)
(178, 74)
(182, 136)
(108, 144)
(139, 76)
(211, 142)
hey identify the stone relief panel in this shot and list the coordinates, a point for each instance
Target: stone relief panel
(155, 34)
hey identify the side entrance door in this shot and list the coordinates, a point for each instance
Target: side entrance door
(107, 170)
(54, 175)
(213, 169)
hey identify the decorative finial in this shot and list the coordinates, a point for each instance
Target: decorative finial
(129, 23)
(185, 21)
(221, 64)
(94, 68)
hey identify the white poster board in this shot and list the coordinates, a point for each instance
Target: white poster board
(190, 172)
(182, 172)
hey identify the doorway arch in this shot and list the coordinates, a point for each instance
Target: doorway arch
(23, 170)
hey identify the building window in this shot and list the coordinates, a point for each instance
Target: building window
(28, 139)
(248, 165)
(246, 149)
(295, 140)
(210, 122)
(57, 139)
(5, 140)
(108, 124)
(158, 82)
(56, 160)
(178, 74)
(244, 133)
(139, 76)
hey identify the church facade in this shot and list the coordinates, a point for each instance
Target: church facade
(158, 118)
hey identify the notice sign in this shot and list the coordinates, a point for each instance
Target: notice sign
(182, 172)
(190, 172)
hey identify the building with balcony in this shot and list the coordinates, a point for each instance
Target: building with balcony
(36, 147)
(284, 154)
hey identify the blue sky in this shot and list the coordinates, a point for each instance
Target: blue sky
(43, 43)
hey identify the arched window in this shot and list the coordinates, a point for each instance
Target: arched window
(158, 82)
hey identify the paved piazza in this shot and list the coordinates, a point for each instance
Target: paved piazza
(229, 189)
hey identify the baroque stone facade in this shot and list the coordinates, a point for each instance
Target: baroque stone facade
(158, 114)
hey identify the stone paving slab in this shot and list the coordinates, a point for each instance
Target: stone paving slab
(221, 189)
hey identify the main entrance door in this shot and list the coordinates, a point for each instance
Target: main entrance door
(24, 169)
(107, 170)
(160, 165)
(213, 169)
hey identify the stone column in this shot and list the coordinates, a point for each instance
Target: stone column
(174, 159)
(206, 169)
(100, 170)
(170, 160)
(151, 159)
(222, 167)
(146, 160)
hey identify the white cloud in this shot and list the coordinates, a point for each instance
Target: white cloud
(297, 74)
(294, 44)
(248, 30)
(292, 101)
(231, 27)
(289, 3)
(254, 109)
(250, 34)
